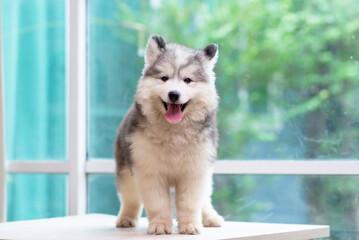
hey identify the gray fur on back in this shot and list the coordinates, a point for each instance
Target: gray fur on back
(130, 124)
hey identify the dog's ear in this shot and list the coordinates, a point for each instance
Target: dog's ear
(211, 54)
(155, 46)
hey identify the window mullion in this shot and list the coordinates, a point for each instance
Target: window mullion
(76, 63)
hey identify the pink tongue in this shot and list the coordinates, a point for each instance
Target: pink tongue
(174, 113)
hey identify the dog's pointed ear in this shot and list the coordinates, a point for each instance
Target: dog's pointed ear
(155, 46)
(211, 54)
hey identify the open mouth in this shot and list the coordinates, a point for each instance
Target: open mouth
(174, 112)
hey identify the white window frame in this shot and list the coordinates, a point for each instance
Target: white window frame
(76, 63)
(77, 167)
(2, 139)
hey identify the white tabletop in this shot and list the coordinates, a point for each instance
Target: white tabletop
(99, 226)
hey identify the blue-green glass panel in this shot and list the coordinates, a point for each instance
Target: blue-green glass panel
(102, 194)
(287, 72)
(33, 196)
(33, 37)
(114, 68)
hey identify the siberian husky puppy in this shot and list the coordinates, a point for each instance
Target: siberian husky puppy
(168, 140)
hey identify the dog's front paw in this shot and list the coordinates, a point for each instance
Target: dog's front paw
(189, 228)
(213, 220)
(159, 228)
(126, 222)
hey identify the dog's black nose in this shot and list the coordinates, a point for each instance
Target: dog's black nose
(174, 96)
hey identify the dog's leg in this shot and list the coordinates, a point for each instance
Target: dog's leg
(189, 196)
(131, 206)
(156, 197)
(210, 217)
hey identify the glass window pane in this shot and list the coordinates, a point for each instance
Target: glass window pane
(286, 74)
(329, 200)
(33, 196)
(102, 194)
(33, 35)
(114, 68)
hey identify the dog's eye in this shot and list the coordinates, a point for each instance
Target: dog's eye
(164, 78)
(187, 80)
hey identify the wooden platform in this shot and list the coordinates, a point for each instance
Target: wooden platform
(99, 226)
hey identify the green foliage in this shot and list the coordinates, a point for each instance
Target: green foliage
(228, 201)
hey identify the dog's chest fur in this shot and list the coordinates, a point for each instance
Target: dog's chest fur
(171, 152)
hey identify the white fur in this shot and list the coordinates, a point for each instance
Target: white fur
(157, 168)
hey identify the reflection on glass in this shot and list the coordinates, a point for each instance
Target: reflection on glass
(33, 37)
(33, 196)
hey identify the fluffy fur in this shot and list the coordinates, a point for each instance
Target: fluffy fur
(154, 155)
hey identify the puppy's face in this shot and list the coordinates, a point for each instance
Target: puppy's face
(177, 82)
